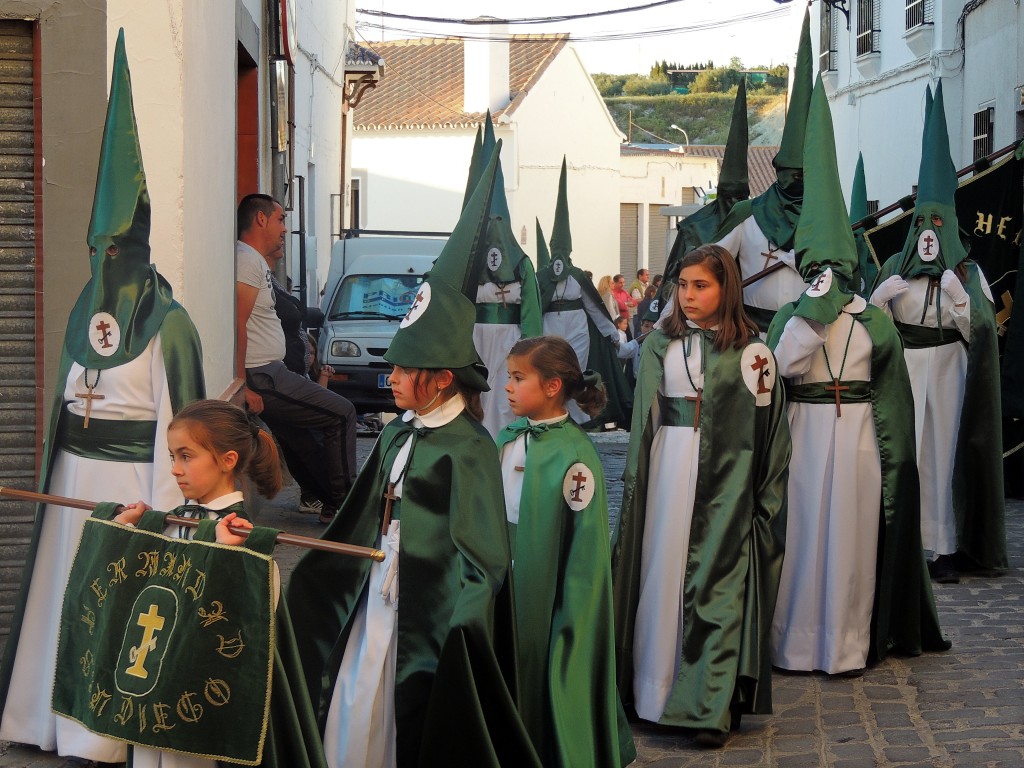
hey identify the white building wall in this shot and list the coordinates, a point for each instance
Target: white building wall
(564, 115)
(878, 99)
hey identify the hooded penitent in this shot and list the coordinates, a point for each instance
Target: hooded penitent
(825, 249)
(733, 185)
(777, 210)
(124, 303)
(437, 332)
(933, 244)
(867, 268)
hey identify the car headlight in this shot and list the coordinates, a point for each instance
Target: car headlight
(341, 348)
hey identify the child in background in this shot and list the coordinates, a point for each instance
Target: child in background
(210, 443)
(558, 526)
(698, 546)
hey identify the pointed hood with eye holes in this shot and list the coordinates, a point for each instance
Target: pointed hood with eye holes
(930, 249)
(124, 303)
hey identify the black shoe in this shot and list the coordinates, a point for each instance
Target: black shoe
(857, 672)
(942, 570)
(326, 515)
(711, 739)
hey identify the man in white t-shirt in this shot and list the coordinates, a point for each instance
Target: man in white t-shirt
(319, 426)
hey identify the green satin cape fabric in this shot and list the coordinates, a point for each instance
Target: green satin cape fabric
(453, 565)
(695, 230)
(735, 546)
(978, 502)
(904, 617)
(775, 212)
(183, 364)
(562, 576)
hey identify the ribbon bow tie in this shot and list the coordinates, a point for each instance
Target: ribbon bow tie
(533, 430)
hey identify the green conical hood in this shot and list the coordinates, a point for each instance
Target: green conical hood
(543, 254)
(438, 330)
(121, 308)
(561, 236)
(867, 269)
(823, 235)
(791, 149)
(928, 100)
(455, 265)
(476, 162)
(933, 247)
(733, 182)
(500, 255)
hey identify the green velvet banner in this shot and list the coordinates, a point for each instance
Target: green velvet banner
(168, 643)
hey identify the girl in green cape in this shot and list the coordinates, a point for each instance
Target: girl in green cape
(558, 523)
(697, 551)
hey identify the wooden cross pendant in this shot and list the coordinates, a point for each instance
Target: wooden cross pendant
(389, 501)
(929, 297)
(503, 292)
(769, 256)
(698, 399)
(88, 397)
(837, 388)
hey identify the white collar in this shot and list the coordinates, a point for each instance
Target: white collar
(692, 324)
(221, 502)
(554, 420)
(856, 305)
(443, 414)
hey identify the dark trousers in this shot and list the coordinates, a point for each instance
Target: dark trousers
(317, 426)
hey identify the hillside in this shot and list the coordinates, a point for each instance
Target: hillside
(704, 116)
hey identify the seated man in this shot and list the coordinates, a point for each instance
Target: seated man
(317, 426)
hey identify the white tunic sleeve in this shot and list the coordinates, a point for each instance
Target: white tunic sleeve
(800, 341)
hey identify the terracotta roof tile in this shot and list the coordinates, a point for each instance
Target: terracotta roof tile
(422, 86)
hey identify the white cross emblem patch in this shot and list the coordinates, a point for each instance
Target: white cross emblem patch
(558, 267)
(928, 245)
(578, 486)
(418, 306)
(819, 285)
(104, 334)
(493, 259)
(757, 366)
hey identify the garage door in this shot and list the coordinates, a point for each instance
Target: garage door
(17, 303)
(628, 229)
(657, 230)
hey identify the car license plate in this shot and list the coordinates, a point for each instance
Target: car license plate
(383, 381)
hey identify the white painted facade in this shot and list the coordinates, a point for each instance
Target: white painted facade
(659, 178)
(414, 179)
(877, 98)
(184, 65)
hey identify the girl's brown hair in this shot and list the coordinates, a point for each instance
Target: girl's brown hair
(553, 358)
(734, 327)
(423, 377)
(219, 427)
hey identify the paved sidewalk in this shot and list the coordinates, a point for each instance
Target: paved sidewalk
(960, 709)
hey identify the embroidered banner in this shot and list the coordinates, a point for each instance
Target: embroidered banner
(167, 643)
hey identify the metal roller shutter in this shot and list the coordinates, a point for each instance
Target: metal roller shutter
(629, 214)
(18, 363)
(657, 247)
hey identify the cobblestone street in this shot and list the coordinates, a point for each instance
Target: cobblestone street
(960, 709)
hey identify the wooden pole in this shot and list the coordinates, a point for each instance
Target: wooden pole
(307, 542)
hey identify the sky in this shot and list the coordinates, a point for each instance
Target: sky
(769, 39)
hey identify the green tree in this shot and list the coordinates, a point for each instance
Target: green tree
(638, 85)
(717, 80)
(609, 85)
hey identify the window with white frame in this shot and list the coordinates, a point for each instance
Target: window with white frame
(868, 15)
(918, 13)
(829, 34)
(984, 128)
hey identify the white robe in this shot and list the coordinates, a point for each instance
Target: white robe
(937, 376)
(571, 325)
(674, 457)
(360, 728)
(493, 342)
(826, 594)
(135, 391)
(747, 243)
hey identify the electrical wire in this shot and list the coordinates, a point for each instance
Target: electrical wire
(524, 20)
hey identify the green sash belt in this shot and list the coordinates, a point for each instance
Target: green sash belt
(678, 412)
(762, 317)
(815, 392)
(922, 337)
(565, 305)
(497, 314)
(107, 439)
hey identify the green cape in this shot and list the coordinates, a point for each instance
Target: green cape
(904, 617)
(453, 699)
(978, 502)
(735, 548)
(564, 612)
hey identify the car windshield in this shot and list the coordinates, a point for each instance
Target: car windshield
(375, 296)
